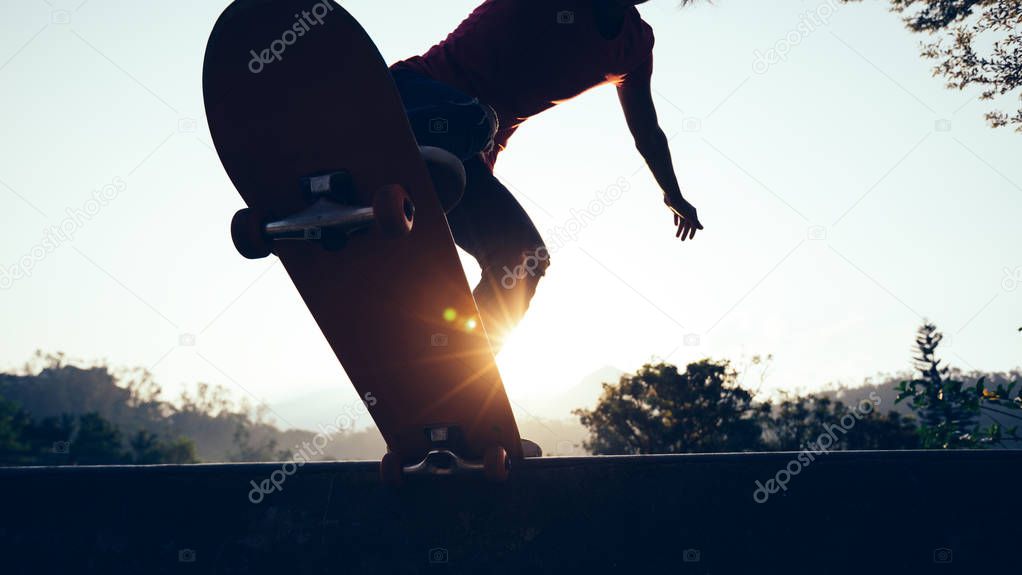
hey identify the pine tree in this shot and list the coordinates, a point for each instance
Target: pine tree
(948, 409)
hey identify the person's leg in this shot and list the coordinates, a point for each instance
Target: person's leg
(492, 226)
(444, 117)
(488, 222)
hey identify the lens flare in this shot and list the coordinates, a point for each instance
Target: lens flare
(450, 314)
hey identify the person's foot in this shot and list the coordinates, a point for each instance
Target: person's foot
(531, 449)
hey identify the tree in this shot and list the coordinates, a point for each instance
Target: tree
(246, 450)
(799, 421)
(89, 439)
(659, 410)
(48, 440)
(1005, 400)
(979, 44)
(884, 431)
(51, 389)
(948, 408)
(148, 449)
(13, 422)
(96, 442)
(179, 450)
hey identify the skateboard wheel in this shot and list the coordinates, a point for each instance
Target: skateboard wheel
(496, 464)
(391, 469)
(393, 210)
(247, 234)
(531, 449)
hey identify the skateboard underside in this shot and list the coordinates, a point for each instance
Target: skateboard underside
(289, 97)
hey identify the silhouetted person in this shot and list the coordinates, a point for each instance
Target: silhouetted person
(508, 61)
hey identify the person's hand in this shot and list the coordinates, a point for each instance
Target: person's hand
(685, 217)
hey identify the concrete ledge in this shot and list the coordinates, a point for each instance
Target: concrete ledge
(848, 512)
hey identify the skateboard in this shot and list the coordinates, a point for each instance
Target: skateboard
(311, 131)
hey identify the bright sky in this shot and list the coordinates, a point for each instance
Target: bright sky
(846, 195)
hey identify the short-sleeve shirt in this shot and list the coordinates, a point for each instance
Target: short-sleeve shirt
(525, 56)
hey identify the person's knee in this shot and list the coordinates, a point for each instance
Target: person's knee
(480, 126)
(464, 128)
(447, 173)
(524, 269)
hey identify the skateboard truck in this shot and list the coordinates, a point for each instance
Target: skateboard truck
(442, 460)
(333, 214)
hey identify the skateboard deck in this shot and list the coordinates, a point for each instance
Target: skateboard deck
(294, 90)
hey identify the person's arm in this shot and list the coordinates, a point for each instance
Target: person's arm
(636, 96)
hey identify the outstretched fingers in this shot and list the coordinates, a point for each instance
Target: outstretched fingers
(686, 228)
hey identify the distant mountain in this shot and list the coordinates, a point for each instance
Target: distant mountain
(322, 406)
(547, 421)
(130, 402)
(582, 395)
(886, 389)
(562, 437)
(551, 425)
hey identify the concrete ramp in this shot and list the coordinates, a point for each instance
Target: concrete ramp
(844, 512)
